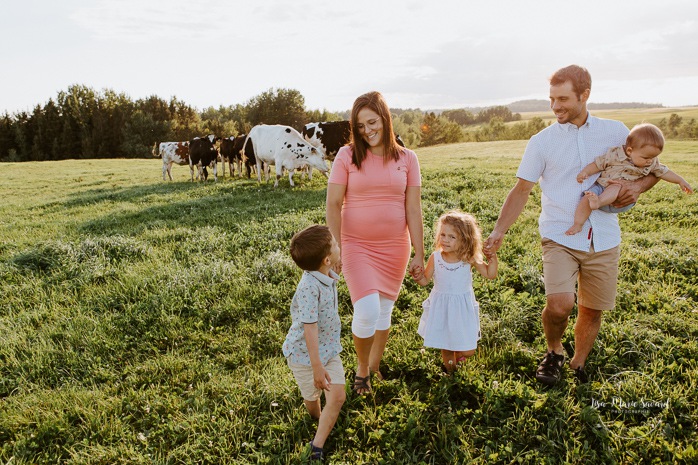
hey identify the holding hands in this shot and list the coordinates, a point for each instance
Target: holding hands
(416, 268)
(417, 273)
(492, 244)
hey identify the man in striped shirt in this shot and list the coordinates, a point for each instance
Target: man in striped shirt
(586, 262)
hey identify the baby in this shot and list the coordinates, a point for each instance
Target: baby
(637, 158)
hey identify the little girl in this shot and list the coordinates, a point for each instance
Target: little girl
(450, 320)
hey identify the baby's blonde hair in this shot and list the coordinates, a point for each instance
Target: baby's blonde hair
(468, 231)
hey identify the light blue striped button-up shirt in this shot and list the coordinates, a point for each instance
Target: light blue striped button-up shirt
(554, 157)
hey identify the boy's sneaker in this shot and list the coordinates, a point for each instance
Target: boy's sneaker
(549, 370)
(581, 374)
(316, 453)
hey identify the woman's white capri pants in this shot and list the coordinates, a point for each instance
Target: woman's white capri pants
(371, 313)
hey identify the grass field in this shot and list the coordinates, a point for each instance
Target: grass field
(630, 117)
(142, 322)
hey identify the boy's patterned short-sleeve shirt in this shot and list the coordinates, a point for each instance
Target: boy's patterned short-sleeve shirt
(315, 301)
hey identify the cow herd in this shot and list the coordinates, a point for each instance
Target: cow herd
(200, 152)
(265, 145)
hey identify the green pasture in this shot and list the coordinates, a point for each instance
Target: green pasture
(630, 116)
(142, 323)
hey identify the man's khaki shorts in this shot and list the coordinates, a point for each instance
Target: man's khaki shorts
(596, 273)
(304, 377)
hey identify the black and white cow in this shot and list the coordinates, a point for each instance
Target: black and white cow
(231, 152)
(246, 154)
(203, 154)
(283, 147)
(331, 136)
(227, 151)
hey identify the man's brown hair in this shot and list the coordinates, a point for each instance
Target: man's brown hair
(578, 76)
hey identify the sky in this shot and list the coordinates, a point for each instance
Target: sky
(428, 55)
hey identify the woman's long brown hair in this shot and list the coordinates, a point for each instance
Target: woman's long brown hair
(374, 101)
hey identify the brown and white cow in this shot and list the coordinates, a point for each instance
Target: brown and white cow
(203, 154)
(173, 152)
(283, 147)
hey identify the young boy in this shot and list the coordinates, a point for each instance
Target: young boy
(637, 158)
(312, 345)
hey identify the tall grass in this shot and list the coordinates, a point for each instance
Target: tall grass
(142, 322)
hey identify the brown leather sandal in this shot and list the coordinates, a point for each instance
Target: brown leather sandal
(361, 384)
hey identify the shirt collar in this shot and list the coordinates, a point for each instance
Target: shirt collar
(589, 123)
(323, 278)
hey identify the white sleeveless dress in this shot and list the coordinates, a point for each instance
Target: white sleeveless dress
(451, 316)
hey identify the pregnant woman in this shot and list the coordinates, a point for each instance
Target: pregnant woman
(374, 208)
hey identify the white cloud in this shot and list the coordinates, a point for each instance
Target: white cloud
(441, 54)
(140, 21)
(493, 62)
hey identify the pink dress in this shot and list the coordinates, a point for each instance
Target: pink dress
(375, 241)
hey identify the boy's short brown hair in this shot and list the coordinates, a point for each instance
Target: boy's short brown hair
(310, 246)
(645, 134)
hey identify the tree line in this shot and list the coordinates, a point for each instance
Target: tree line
(83, 123)
(421, 129)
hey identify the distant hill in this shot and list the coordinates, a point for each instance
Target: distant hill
(543, 105)
(623, 106)
(524, 106)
